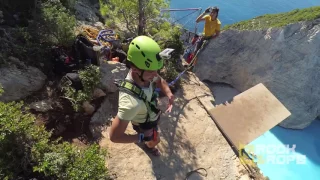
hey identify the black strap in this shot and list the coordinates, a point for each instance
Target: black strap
(197, 171)
(137, 92)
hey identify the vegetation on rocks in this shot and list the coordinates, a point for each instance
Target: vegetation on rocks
(31, 28)
(90, 79)
(154, 25)
(277, 20)
(27, 150)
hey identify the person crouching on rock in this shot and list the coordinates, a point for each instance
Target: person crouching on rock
(137, 99)
(211, 28)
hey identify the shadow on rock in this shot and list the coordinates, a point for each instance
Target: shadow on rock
(177, 153)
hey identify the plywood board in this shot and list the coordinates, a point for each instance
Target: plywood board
(249, 115)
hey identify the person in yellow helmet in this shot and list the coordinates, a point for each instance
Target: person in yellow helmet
(211, 27)
(137, 97)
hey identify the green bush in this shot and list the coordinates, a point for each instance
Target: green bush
(170, 38)
(69, 4)
(16, 140)
(27, 152)
(126, 13)
(277, 20)
(58, 23)
(90, 79)
(45, 24)
(1, 90)
(85, 164)
(169, 71)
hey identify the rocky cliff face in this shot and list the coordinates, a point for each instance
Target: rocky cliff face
(19, 80)
(87, 11)
(286, 60)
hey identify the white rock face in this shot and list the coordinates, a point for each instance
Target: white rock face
(108, 109)
(104, 115)
(42, 106)
(86, 11)
(111, 71)
(286, 60)
(20, 82)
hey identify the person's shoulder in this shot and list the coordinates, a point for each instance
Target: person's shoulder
(218, 21)
(128, 106)
(129, 100)
(206, 16)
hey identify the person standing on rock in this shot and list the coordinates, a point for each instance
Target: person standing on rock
(211, 27)
(137, 100)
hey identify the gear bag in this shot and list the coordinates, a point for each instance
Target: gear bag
(73, 80)
(83, 51)
(62, 61)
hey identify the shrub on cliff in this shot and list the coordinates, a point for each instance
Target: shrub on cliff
(277, 20)
(170, 38)
(27, 151)
(90, 79)
(39, 25)
(162, 31)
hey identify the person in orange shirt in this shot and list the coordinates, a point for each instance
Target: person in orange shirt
(211, 27)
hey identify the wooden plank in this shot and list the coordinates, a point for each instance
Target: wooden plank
(249, 115)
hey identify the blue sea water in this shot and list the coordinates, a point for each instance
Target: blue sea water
(302, 162)
(301, 159)
(232, 11)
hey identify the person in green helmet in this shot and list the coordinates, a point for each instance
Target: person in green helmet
(137, 100)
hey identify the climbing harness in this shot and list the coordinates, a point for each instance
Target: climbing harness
(131, 88)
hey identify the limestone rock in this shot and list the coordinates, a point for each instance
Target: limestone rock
(41, 106)
(88, 108)
(1, 17)
(286, 60)
(16, 61)
(104, 115)
(107, 110)
(111, 71)
(85, 11)
(99, 25)
(98, 93)
(20, 82)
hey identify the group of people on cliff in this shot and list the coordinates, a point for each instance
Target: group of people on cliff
(137, 97)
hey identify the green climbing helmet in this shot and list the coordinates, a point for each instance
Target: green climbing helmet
(144, 53)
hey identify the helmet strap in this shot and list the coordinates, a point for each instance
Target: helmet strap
(141, 76)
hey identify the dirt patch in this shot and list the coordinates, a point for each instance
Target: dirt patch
(62, 119)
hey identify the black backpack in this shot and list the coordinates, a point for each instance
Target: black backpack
(62, 61)
(72, 80)
(83, 51)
